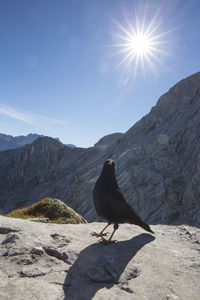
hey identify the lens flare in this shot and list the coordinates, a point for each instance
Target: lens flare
(139, 45)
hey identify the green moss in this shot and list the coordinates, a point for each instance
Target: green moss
(57, 211)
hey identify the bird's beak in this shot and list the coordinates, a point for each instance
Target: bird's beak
(110, 162)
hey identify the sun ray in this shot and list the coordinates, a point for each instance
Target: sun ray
(126, 58)
(122, 28)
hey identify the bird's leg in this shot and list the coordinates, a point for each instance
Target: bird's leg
(100, 233)
(109, 241)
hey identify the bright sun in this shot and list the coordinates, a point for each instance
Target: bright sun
(139, 44)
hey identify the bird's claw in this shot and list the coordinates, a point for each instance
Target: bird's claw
(98, 234)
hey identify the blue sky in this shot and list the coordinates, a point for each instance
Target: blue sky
(60, 75)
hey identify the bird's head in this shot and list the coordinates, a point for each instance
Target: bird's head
(109, 166)
(110, 162)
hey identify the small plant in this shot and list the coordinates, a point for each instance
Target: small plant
(57, 211)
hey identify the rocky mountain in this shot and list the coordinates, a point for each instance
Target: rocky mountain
(108, 140)
(52, 261)
(12, 142)
(157, 164)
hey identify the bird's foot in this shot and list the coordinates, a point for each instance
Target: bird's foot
(98, 234)
(107, 242)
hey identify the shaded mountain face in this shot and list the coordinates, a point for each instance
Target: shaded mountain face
(157, 164)
(45, 167)
(11, 142)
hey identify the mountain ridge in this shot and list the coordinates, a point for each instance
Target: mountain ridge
(8, 142)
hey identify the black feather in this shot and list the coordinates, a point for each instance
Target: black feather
(109, 201)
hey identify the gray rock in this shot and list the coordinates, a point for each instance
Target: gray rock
(5, 230)
(52, 251)
(37, 251)
(54, 262)
(108, 140)
(10, 238)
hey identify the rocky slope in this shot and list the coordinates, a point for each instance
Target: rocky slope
(12, 142)
(157, 164)
(108, 140)
(48, 261)
(44, 168)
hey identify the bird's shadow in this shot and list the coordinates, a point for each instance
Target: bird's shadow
(99, 266)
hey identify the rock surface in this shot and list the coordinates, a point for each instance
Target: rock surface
(108, 140)
(48, 261)
(157, 164)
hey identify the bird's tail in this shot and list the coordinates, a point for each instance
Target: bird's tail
(146, 227)
(138, 221)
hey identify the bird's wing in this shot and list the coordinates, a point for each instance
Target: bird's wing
(123, 212)
(121, 208)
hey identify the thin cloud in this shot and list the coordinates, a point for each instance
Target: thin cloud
(28, 117)
(50, 121)
(9, 111)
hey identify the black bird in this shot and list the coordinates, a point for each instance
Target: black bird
(110, 203)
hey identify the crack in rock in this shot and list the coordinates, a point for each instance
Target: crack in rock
(126, 288)
(5, 230)
(59, 237)
(56, 235)
(13, 252)
(59, 255)
(37, 251)
(32, 275)
(133, 274)
(10, 239)
(24, 260)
